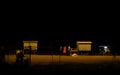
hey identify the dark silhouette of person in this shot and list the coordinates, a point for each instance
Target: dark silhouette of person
(19, 57)
(2, 54)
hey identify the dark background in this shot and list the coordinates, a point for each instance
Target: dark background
(59, 24)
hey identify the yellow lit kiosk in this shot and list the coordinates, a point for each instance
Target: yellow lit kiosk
(30, 45)
(83, 47)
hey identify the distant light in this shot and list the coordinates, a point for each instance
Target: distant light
(105, 47)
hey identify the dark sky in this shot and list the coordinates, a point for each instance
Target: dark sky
(59, 24)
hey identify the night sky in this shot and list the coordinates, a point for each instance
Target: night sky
(59, 25)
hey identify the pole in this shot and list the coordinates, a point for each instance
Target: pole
(59, 57)
(30, 55)
(52, 57)
(60, 53)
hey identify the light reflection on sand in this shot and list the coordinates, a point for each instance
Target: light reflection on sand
(57, 59)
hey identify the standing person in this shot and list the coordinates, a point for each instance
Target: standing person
(64, 50)
(2, 54)
(19, 57)
(69, 49)
(60, 49)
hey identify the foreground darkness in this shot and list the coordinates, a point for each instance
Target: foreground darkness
(94, 69)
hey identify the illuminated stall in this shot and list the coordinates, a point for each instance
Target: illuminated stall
(84, 46)
(30, 46)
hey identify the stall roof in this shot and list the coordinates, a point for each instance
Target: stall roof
(84, 42)
(30, 41)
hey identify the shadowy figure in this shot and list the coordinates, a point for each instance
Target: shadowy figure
(69, 50)
(19, 58)
(2, 54)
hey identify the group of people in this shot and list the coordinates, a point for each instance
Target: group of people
(65, 50)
